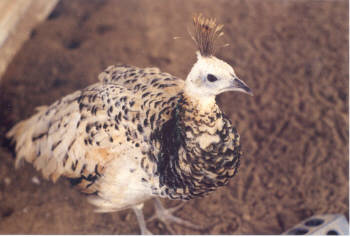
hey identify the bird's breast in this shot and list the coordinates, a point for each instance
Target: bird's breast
(198, 153)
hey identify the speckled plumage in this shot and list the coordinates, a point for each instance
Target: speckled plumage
(140, 115)
(137, 134)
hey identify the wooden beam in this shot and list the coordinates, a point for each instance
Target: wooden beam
(17, 19)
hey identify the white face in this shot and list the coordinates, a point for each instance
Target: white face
(211, 76)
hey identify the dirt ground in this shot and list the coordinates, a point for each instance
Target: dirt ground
(294, 131)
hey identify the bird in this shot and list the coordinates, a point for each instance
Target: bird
(140, 133)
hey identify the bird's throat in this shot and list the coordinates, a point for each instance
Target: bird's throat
(202, 103)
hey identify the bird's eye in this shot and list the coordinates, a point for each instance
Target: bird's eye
(211, 78)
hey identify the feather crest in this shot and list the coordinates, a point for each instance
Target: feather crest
(206, 32)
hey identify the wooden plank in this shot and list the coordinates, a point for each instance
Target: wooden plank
(17, 19)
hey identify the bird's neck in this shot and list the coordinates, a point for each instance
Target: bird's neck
(197, 146)
(202, 103)
(200, 124)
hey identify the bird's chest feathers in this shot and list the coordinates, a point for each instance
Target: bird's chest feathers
(204, 140)
(202, 127)
(199, 151)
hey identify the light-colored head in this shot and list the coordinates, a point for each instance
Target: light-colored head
(210, 76)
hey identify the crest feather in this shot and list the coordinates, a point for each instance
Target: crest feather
(206, 31)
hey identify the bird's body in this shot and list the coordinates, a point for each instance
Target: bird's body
(137, 134)
(134, 129)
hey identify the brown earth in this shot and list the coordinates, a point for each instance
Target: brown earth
(294, 131)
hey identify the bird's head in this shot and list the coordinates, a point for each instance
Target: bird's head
(210, 76)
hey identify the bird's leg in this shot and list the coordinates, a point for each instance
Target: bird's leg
(166, 216)
(140, 219)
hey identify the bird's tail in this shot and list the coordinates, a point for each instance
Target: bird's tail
(22, 136)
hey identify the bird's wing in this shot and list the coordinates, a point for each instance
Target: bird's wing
(55, 139)
(79, 134)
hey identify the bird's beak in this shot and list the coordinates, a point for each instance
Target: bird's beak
(238, 85)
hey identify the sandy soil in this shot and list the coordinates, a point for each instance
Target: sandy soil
(294, 131)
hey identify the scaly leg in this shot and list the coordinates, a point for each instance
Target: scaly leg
(166, 216)
(140, 219)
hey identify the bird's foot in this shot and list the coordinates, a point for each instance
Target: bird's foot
(166, 216)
